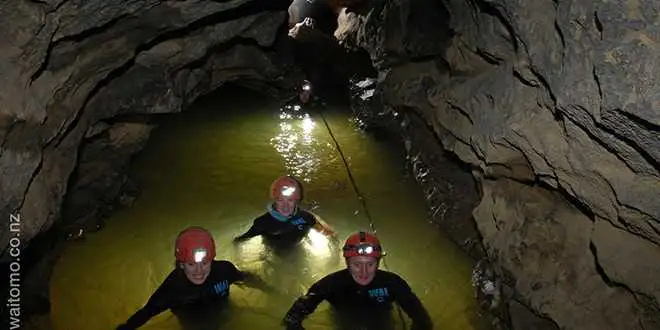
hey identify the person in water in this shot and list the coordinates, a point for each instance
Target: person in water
(197, 289)
(312, 24)
(304, 98)
(361, 289)
(284, 223)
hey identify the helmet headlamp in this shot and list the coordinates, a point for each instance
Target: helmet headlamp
(287, 191)
(199, 255)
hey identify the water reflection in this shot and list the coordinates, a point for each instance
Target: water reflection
(296, 142)
(317, 244)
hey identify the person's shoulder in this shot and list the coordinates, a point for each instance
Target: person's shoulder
(223, 264)
(306, 214)
(342, 273)
(390, 276)
(263, 217)
(333, 279)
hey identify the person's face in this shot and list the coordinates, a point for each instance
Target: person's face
(285, 205)
(305, 96)
(362, 269)
(197, 272)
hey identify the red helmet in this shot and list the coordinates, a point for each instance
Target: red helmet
(286, 186)
(194, 244)
(362, 244)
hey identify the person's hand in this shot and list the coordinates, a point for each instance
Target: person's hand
(329, 232)
(292, 324)
(303, 32)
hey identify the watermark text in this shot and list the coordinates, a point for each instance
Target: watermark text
(14, 248)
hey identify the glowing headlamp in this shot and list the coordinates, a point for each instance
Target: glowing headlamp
(307, 87)
(363, 248)
(199, 255)
(288, 191)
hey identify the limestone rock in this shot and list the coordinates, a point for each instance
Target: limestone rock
(544, 242)
(69, 64)
(552, 94)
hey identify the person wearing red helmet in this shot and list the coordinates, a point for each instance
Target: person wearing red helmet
(284, 222)
(197, 283)
(361, 289)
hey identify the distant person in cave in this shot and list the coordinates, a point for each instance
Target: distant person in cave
(312, 24)
(284, 224)
(361, 295)
(304, 99)
(198, 288)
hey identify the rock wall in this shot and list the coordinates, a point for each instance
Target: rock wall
(553, 104)
(78, 75)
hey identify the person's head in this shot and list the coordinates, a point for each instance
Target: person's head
(305, 94)
(194, 251)
(286, 193)
(362, 252)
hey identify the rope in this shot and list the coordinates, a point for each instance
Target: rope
(360, 198)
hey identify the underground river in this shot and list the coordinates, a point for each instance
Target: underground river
(212, 166)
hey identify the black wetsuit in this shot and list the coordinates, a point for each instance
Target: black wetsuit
(281, 233)
(183, 297)
(365, 302)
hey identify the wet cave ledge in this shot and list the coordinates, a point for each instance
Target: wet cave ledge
(550, 106)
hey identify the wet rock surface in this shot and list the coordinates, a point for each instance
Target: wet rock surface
(553, 99)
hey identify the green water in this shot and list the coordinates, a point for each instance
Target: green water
(212, 166)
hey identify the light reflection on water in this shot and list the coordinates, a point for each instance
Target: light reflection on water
(297, 144)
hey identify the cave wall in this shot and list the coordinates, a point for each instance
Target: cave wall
(553, 105)
(78, 76)
(72, 67)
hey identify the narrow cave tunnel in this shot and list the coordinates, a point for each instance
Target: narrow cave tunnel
(527, 136)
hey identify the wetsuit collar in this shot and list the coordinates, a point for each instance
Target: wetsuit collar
(279, 216)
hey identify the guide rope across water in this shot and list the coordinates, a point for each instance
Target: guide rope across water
(359, 195)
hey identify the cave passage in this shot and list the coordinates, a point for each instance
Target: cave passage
(212, 166)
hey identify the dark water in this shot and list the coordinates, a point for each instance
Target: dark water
(212, 166)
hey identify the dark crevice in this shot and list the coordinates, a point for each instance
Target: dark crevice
(545, 84)
(561, 35)
(488, 57)
(491, 9)
(44, 64)
(599, 24)
(600, 89)
(73, 38)
(629, 141)
(522, 79)
(639, 121)
(33, 176)
(603, 274)
(579, 204)
(219, 49)
(91, 31)
(594, 136)
(100, 85)
(248, 9)
(461, 111)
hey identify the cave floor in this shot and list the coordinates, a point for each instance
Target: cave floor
(212, 166)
